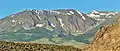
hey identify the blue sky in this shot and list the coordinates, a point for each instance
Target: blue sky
(8, 7)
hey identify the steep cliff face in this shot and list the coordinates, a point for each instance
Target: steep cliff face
(106, 39)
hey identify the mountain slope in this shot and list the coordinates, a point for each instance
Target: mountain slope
(68, 20)
(63, 26)
(106, 39)
(55, 26)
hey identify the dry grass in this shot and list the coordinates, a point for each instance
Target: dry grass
(11, 46)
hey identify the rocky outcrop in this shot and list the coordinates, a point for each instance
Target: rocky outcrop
(106, 39)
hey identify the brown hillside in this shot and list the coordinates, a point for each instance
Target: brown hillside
(106, 39)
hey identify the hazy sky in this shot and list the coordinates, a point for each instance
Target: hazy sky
(12, 6)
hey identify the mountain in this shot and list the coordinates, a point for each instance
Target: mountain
(62, 26)
(68, 20)
(107, 38)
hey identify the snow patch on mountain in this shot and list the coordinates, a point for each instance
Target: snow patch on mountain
(51, 24)
(12, 15)
(95, 12)
(78, 12)
(60, 20)
(98, 14)
(102, 13)
(39, 25)
(83, 18)
(71, 12)
(14, 20)
(93, 15)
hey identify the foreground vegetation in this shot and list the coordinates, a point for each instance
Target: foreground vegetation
(12, 46)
